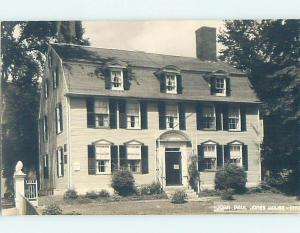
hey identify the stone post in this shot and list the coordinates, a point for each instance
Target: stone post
(19, 186)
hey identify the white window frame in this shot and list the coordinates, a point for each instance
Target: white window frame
(121, 79)
(173, 83)
(137, 118)
(217, 88)
(45, 128)
(103, 114)
(60, 161)
(137, 160)
(234, 158)
(46, 88)
(234, 118)
(204, 117)
(106, 159)
(59, 121)
(174, 117)
(210, 156)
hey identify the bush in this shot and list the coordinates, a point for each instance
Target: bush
(104, 193)
(52, 209)
(193, 173)
(179, 197)
(227, 194)
(8, 195)
(123, 182)
(231, 176)
(151, 189)
(91, 195)
(70, 194)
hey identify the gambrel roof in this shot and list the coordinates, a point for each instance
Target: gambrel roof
(81, 62)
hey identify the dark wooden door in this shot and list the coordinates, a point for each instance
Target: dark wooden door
(173, 168)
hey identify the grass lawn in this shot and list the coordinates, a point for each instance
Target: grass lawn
(136, 206)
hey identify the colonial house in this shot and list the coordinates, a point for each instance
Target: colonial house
(107, 109)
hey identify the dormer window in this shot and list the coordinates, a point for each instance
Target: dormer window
(117, 80)
(170, 80)
(220, 84)
(171, 83)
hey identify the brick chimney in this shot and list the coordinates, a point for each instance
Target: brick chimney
(206, 44)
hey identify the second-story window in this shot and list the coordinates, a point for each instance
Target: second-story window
(133, 115)
(46, 88)
(208, 119)
(101, 113)
(234, 119)
(59, 119)
(45, 128)
(55, 76)
(171, 83)
(172, 116)
(117, 80)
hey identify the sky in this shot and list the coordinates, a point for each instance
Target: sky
(172, 37)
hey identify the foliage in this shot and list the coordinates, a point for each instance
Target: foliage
(70, 194)
(231, 176)
(23, 51)
(151, 189)
(268, 50)
(8, 195)
(91, 195)
(179, 197)
(52, 209)
(103, 193)
(123, 182)
(227, 194)
(193, 173)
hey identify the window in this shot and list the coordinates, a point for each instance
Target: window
(101, 113)
(134, 158)
(208, 119)
(59, 119)
(55, 78)
(236, 154)
(171, 83)
(210, 156)
(220, 85)
(172, 116)
(234, 119)
(103, 159)
(46, 88)
(117, 80)
(46, 167)
(45, 128)
(133, 115)
(60, 162)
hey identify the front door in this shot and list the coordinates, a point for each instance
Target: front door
(173, 166)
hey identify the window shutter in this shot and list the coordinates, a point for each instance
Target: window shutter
(60, 117)
(162, 83)
(112, 114)
(144, 115)
(181, 108)
(107, 78)
(126, 79)
(46, 88)
(56, 118)
(122, 114)
(243, 119)
(114, 157)
(90, 113)
(228, 87)
(198, 116)
(200, 157)
(179, 84)
(218, 117)
(225, 118)
(219, 156)
(145, 163)
(91, 160)
(212, 85)
(226, 154)
(123, 156)
(57, 163)
(245, 157)
(162, 115)
(62, 165)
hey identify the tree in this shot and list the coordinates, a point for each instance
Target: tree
(23, 50)
(268, 51)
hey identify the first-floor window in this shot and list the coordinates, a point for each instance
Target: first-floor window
(236, 154)
(209, 163)
(133, 115)
(210, 155)
(103, 159)
(102, 166)
(134, 157)
(46, 167)
(60, 162)
(234, 118)
(134, 165)
(172, 116)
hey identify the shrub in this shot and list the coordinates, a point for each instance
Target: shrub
(91, 195)
(179, 197)
(151, 189)
(227, 194)
(193, 173)
(231, 176)
(123, 182)
(52, 209)
(104, 193)
(8, 195)
(70, 194)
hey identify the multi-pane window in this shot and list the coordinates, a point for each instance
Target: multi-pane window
(45, 128)
(133, 115)
(208, 119)
(117, 80)
(234, 118)
(59, 119)
(101, 112)
(103, 159)
(220, 85)
(55, 77)
(236, 154)
(172, 116)
(134, 158)
(171, 83)
(60, 162)
(210, 156)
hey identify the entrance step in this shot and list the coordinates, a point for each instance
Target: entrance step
(191, 194)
